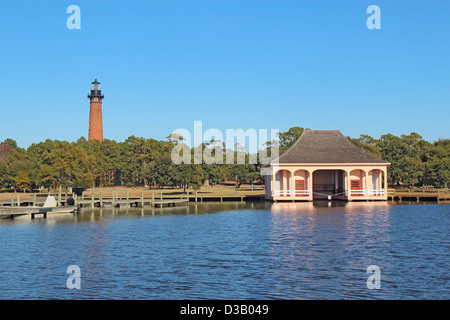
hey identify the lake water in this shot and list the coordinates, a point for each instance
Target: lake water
(231, 251)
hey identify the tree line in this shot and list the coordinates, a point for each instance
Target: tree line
(135, 162)
(139, 161)
(414, 161)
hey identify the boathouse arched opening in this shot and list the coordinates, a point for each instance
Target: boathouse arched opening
(300, 183)
(328, 183)
(375, 183)
(283, 183)
(358, 182)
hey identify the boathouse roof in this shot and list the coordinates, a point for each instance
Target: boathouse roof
(325, 146)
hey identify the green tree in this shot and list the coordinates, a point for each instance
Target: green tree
(16, 161)
(437, 166)
(187, 175)
(71, 165)
(412, 170)
(411, 163)
(10, 142)
(393, 150)
(138, 154)
(22, 179)
(46, 176)
(288, 138)
(367, 144)
(159, 171)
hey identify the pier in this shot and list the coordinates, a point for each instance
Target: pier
(21, 204)
(12, 212)
(419, 194)
(159, 200)
(26, 203)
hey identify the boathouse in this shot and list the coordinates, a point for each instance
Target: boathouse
(324, 164)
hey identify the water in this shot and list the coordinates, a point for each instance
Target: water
(231, 251)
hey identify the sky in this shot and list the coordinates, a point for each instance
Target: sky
(249, 64)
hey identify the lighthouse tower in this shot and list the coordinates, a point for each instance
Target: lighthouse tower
(95, 115)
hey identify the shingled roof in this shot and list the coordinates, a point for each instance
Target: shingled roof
(325, 146)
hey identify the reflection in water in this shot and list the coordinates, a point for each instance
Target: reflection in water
(98, 214)
(230, 251)
(294, 207)
(327, 244)
(94, 260)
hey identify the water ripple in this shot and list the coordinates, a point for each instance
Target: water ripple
(231, 251)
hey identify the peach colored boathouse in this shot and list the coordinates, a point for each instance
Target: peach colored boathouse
(323, 164)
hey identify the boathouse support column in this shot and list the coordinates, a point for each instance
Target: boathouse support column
(379, 184)
(347, 184)
(292, 183)
(310, 184)
(274, 179)
(366, 185)
(285, 182)
(385, 183)
(336, 181)
(380, 181)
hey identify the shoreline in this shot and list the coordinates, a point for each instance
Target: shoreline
(207, 194)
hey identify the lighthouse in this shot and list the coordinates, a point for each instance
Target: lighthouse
(95, 114)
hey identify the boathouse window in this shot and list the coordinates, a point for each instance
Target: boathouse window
(355, 184)
(300, 184)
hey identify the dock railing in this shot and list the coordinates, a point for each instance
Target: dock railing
(289, 193)
(415, 192)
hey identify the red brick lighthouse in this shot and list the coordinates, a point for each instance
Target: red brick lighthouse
(95, 115)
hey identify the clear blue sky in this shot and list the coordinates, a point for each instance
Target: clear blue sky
(232, 64)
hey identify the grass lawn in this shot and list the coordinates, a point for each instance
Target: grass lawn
(137, 192)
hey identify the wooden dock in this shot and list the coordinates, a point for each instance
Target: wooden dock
(157, 199)
(419, 195)
(12, 212)
(127, 203)
(96, 199)
(166, 201)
